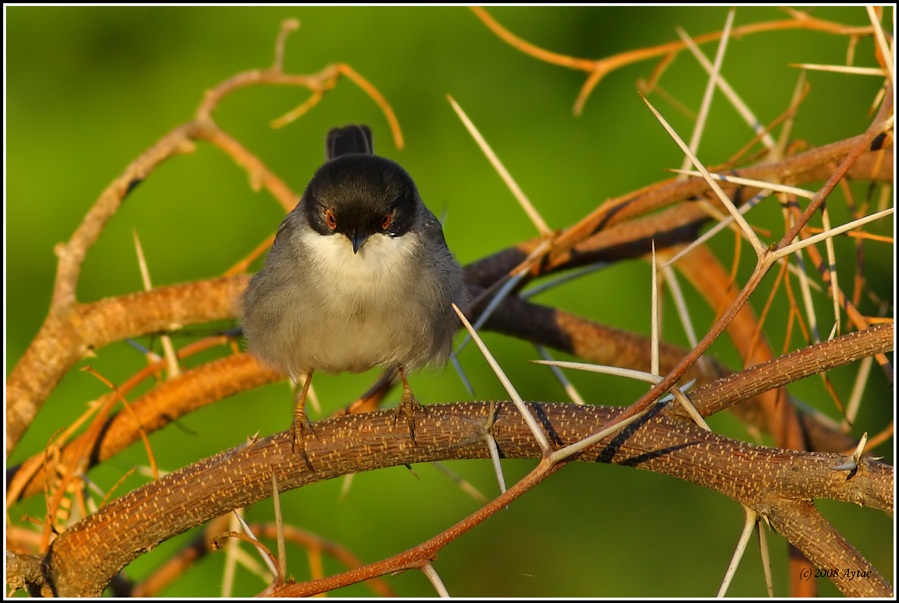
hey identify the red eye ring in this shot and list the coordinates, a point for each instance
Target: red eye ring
(387, 220)
(330, 219)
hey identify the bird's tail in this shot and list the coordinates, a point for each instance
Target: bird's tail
(354, 138)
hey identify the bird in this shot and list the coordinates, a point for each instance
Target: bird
(359, 276)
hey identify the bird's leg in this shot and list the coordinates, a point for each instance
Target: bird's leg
(408, 405)
(300, 420)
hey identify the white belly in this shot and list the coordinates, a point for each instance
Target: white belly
(365, 312)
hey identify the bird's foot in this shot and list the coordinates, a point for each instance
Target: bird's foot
(301, 425)
(408, 406)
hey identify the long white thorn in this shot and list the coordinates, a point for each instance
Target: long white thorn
(501, 375)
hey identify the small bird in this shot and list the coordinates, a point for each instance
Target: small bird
(359, 276)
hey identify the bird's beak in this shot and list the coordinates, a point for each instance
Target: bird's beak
(358, 240)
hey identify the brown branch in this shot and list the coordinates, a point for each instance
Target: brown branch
(46, 360)
(174, 568)
(780, 371)
(160, 406)
(765, 262)
(176, 565)
(418, 556)
(776, 483)
(129, 525)
(551, 327)
(622, 227)
(709, 277)
(597, 69)
(665, 444)
(800, 522)
(66, 336)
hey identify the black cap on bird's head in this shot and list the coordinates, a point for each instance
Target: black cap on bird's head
(359, 195)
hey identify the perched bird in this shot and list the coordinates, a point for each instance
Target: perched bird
(359, 276)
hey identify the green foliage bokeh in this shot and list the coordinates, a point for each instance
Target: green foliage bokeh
(90, 88)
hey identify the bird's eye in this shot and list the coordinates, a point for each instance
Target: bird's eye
(330, 219)
(387, 220)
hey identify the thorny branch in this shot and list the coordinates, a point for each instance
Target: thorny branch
(774, 483)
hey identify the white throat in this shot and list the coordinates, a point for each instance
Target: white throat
(381, 261)
(363, 301)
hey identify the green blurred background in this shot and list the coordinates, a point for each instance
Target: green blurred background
(89, 89)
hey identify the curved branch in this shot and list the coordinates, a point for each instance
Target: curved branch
(85, 557)
(61, 341)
